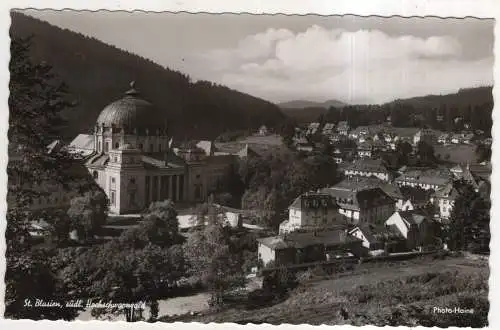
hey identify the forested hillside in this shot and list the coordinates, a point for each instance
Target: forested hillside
(98, 74)
(470, 107)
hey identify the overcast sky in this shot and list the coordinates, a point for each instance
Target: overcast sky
(282, 58)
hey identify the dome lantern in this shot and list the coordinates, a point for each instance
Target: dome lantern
(131, 114)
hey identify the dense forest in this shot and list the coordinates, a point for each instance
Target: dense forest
(98, 74)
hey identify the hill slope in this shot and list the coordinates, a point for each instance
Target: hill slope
(465, 96)
(310, 104)
(98, 74)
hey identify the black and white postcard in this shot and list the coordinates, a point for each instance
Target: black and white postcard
(219, 166)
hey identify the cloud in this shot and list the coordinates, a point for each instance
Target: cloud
(364, 66)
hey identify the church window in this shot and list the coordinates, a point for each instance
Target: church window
(112, 180)
(140, 146)
(115, 159)
(197, 191)
(95, 175)
(99, 146)
(106, 147)
(113, 197)
(117, 145)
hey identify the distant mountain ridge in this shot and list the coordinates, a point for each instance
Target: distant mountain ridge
(298, 104)
(98, 74)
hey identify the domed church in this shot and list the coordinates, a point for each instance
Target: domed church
(131, 157)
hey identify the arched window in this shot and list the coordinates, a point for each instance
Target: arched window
(95, 175)
(106, 146)
(117, 145)
(99, 146)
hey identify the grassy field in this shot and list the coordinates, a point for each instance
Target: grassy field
(459, 153)
(403, 293)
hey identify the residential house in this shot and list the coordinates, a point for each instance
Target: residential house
(39, 228)
(304, 247)
(367, 168)
(263, 131)
(302, 144)
(335, 137)
(455, 138)
(424, 135)
(467, 138)
(358, 132)
(312, 128)
(404, 134)
(463, 173)
(311, 211)
(365, 150)
(381, 238)
(414, 198)
(389, 137)
(444, 138)
(359, 183)
(328, 129)
(417, 228)
(370, 205)
(444, 199)
(343, 128)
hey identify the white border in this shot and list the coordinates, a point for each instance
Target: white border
(442, 8)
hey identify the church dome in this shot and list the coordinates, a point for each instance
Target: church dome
(131, 113)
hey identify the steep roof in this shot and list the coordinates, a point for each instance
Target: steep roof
(412, 217)
(447, 192)
(358, 200)
(207, 146)
(82, 143)
(312, 201)
(432, 177)
(368, 165)
(359, 183)
(377, 233)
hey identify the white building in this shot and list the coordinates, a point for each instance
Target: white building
(309, 211)
(362, 205)
(423, 179)
(367, 168)
(134, 163)
(444, 199)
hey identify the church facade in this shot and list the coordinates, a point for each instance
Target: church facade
(131, 157)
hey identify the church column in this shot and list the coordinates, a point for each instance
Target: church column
(177, 192)
(160, 197)
(169, 190)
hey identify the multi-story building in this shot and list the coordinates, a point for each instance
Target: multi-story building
(133, 160)
(343, 128)
(425, 179)
(371, 205)
(444, 200)
(367, 168)
(310, 211)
